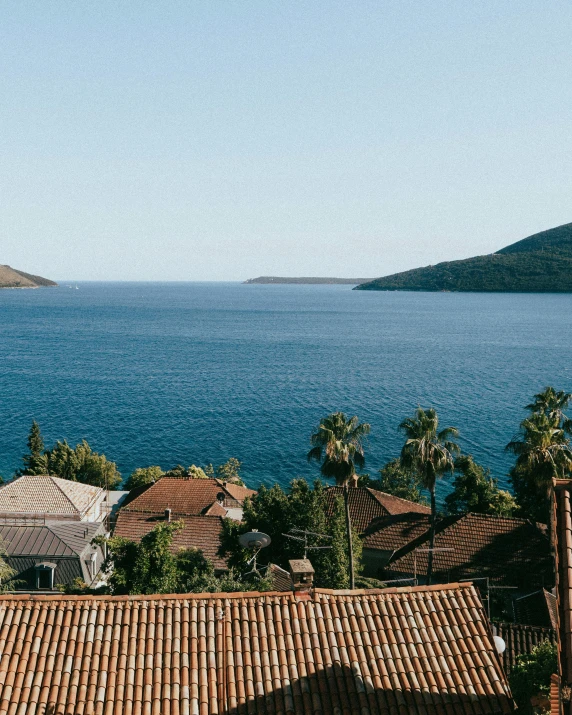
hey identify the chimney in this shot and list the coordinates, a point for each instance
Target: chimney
(302, 573)
(167, 514)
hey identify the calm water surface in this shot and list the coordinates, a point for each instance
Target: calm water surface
(153, 373)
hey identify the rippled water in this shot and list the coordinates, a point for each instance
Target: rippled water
(153, 373)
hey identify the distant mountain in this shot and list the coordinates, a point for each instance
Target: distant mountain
(11, 278)
(541, 263)
(308, 281)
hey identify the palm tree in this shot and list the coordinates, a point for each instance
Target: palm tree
(430, 454)
(542, 451)
(552, 403)
(338, 445)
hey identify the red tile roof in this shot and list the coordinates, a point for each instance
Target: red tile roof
(184, 495)
(511, 552)
(427, 651)
(237, 491)
(390, 533)
(367, 504)
(199, 532)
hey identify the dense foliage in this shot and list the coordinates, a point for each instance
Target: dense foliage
(151, 566)
(543, 452)
(143, 476)
(338, 445)
(540, 263)
(475, 490)
(276, 512)
(79, 464)
(429, 453)
(530, 677)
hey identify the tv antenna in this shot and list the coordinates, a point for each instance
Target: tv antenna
(256, 540)
(302, 535)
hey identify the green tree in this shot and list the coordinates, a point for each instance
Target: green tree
(146, 567)
(542, 453)
(196, 472)
(394, 479)
(230, 471)
(153, 566)
(142, 476)
(338, 445)
(553, 404)
(475, 490)
(429, 452)
(276, 512)
(82, 464)
(35, 462)
(530, 676)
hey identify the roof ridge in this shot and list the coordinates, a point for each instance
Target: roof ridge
(233, 595)
(394, 496)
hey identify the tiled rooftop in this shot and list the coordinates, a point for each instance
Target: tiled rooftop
(426, 651)
(185, 495)
(537, 609)
(200, 532)
(513, 552)
(390, 533)
(47, 495)
(368, 504)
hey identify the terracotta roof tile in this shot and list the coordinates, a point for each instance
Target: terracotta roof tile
(186, 495)
(390, 533)
(329, 652)
(367, 504)
(200, 532)
(509, 551)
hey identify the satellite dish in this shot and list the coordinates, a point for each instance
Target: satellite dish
(500, 645)
(254, 540)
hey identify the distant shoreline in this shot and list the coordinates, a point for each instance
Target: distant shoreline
(267, 280)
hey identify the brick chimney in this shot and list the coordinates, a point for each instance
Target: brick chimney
(302, 573)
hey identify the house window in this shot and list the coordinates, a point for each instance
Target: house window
(45, 576)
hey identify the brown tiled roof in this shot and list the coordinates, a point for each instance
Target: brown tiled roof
(390, 533)
(33, 494)
(511, 552)
(184, 495)
(199, 532)
(521, 639)
(237, 491)
(426, 651)
(367, 504)
(537, 609)
(280, 578)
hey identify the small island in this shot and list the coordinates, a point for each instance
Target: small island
(12, 278)
(541, 263)
(308, 281)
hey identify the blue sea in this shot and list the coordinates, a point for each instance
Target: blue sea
(191, 373)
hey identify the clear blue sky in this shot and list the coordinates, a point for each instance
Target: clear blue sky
(221, 140)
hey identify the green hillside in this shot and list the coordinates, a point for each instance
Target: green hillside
(541, 263)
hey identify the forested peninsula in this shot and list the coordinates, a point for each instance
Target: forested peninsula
(11, 278)
(541, 263)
